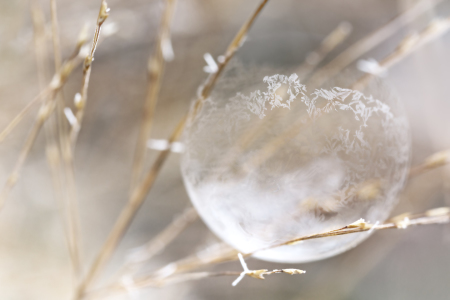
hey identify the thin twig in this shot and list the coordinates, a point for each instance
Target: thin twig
(59, 79)
(434, 30)
(71, 210)
(434, 216)
(138, 196)
(81, 103)
(328, 44)
(198, 260)
(434, 161)
(43, 114)
(155, 69)
(370, 41)
(158, 243)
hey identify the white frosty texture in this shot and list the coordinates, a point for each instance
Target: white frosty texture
(272, 162)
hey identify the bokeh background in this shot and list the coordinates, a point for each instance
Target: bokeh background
(34, 263)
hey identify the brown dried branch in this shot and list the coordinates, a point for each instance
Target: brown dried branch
(155, 69)
(81, 103)
(436, 160)
(64, 181)
(370, 41)
(257, 274)
(158, 243)
(138, 195)
(410, 44)
(434, 216)
(328, 44)
(59, 79)
(68, 210)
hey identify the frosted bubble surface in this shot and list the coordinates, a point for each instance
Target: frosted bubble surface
(267, 160)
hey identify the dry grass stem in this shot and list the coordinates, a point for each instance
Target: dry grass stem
(66, 180)
(216, 253)
(145, 252)
(370, 41)
(138, 195)
(328, 44)
(436, 160)
(257, 274)
(58, 80)
(43, 114)
(68, 209)
(434, 216)
(411, 43)
(155, 69)
(81, 101)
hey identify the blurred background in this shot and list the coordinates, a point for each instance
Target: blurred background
(34, 262)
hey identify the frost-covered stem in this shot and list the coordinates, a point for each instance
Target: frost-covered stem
(158, 243)
(138, 196)
(410, 44)
(369, 42)
(87, 68)
(155, 69)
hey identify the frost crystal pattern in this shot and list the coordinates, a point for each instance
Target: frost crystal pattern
(273, 162)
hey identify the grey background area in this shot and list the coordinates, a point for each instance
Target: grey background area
(34, 264)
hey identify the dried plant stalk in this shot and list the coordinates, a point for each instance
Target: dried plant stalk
(198, 260)
(413, 42)
(58, 81)
(436, 160)
(81, 103)
(43, 114)
(217, 253)
(138, 196)
(155, 69)
(370, 41)
(158, 243)
(61, 132)
(434, 216)
(68, 211)
(258, 274)
(329, 43)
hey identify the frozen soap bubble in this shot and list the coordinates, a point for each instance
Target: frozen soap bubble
(268, 160)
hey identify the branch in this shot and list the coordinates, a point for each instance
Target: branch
(138, 195)
(410, 44)
(370, 41)
(155, 68)
(87, 68)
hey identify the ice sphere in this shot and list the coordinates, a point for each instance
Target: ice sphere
(267, 160)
